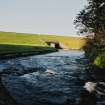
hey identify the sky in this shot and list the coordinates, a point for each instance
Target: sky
(40, 16)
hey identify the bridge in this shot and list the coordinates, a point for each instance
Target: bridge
(56, 44)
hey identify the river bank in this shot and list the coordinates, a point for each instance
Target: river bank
(95, 50)
(12, 51)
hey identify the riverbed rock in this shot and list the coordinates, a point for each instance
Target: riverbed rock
(99, 88)
(50, 72)
(90, 86)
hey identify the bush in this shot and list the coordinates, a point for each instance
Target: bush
(100, 60)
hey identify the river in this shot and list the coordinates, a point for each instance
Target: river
(49, 79)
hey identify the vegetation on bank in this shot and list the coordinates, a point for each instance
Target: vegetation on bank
(9, 50)
(92, 20)
(100, 60)
(13, 45)
(95, 51)
(22, 44)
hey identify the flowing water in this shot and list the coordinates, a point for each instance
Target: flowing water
(50, 79)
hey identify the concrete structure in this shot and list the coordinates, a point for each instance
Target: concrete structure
(54, 44)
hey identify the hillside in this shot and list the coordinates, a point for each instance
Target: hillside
(39, 40)
(11, 42)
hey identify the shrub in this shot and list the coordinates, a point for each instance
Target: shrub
(100, 60)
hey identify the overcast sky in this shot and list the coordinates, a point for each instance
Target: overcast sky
(39, 16)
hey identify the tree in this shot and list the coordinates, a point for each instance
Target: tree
(92, 18)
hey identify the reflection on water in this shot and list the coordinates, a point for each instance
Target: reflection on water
(51, 79)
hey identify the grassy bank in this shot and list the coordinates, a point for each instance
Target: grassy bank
(39, 40)
(12, 43)
(9, 50)
(16, 44)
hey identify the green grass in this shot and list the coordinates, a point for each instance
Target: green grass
(21, 39)
(17, 43)
(10, 49)
(39, 40)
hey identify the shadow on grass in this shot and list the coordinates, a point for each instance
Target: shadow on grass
(11, 51)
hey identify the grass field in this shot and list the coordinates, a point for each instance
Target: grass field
(13, 43)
